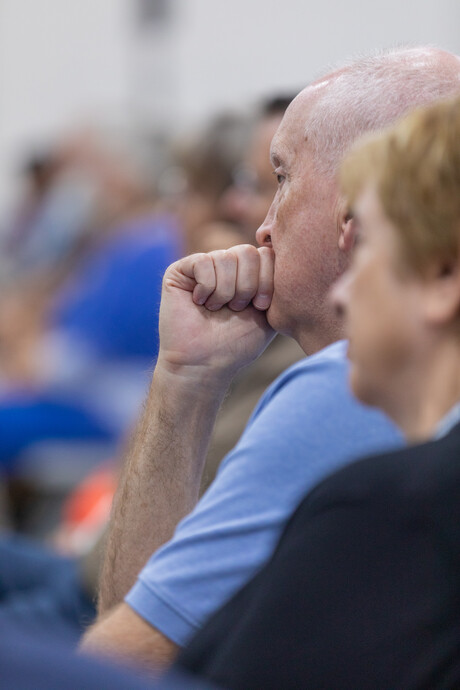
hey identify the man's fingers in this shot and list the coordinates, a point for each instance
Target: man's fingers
(247, 278)
(225, 268)
(205, 276)
(263, 297)
(195, 274)
(232, 277)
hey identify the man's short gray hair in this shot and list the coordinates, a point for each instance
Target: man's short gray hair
(371, 93)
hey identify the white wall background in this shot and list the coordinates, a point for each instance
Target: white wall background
(257, 45)
(63, 62)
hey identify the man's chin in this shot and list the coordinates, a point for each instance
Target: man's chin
(273, 317)
(277, 320)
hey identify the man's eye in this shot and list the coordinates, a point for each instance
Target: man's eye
(279, 177)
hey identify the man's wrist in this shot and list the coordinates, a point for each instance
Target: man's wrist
(191, 379)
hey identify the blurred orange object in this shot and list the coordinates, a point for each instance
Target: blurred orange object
(86, 512)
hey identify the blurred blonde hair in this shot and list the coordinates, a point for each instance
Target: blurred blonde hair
(415, 167)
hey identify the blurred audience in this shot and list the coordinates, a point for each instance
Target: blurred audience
(45, 662)
(78, 321)
(76, 339)
(42, 591)
(218, 191)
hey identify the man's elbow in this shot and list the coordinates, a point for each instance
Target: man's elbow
(123, 636)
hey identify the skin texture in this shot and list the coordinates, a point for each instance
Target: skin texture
(304, 220)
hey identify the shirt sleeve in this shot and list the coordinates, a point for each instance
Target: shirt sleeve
(306, 426)
(349, 599)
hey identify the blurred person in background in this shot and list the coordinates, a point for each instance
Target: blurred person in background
(246, 201)
(201, 171)
(78, 332)
(73, 325)
(75, 332)
(45, 662)
(215, 206)
(78, 322)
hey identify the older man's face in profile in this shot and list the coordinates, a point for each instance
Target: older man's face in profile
(249, 199)
(301, 226)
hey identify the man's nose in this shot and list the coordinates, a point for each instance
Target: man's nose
(263, 234)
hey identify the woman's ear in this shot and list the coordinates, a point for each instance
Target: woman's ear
(346, 231)
(442, 291)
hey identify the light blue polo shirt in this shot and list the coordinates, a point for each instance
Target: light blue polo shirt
(305, 427)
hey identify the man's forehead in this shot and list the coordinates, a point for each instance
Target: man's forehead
(292, 129)
(290, 135)
(279, 149)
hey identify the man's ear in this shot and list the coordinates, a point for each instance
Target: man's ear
(442, 292)
(346, 231)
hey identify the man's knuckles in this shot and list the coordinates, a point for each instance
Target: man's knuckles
(222, 277)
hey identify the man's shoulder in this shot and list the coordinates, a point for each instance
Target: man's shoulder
(328, 364)
(306, 426)
(314, 393)
(310, 415)
(331, 358)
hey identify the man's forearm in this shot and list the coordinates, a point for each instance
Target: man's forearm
(161, 477)
(209, 329)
